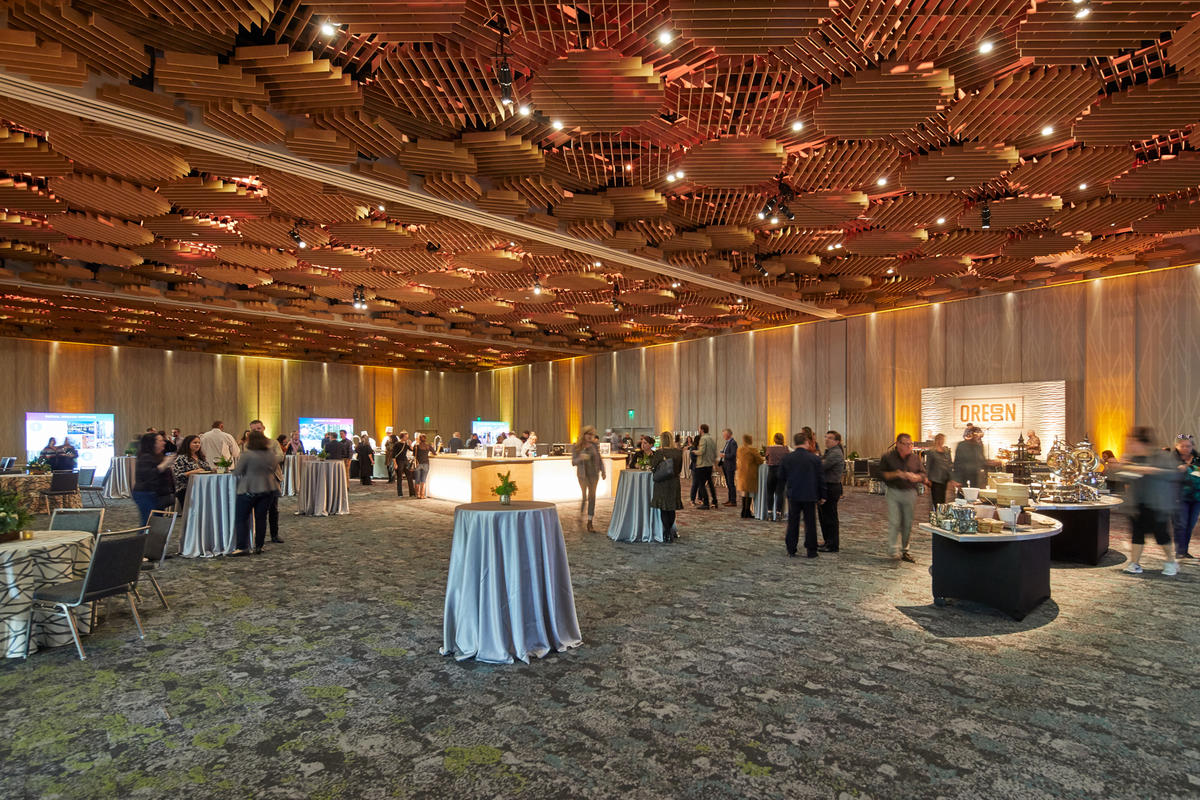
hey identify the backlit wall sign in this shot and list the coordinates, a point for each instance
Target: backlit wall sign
(1003, 410)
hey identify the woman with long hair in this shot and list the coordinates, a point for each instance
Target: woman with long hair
(589, 469)
(422, 450)
(189, 461)
(665, 496)
(257, 485)
(776, 498)
(152, 475)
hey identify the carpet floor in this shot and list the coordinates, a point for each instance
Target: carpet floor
(712, 668)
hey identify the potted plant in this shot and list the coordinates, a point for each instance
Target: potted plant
(13, 518)
(131, 450)
(322, 455)
(222, 464)
(853, 455)
(506, 489)
(39, 466)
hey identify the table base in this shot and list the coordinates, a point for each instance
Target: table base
(1013, 577)
(1084, 537)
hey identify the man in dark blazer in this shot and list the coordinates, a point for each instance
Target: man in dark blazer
(728, 462)
(801, 472)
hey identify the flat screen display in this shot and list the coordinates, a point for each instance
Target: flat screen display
(488, 430)
(313, 430)
(90, 434)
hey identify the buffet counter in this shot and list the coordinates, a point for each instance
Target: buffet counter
(551, 479)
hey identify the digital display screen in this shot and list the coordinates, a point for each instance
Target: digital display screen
(90, 434)
(313, 430)
(488, 430)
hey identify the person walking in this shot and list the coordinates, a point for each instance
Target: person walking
(257, 485)
(748, 458)
(833, 467)
(1189, 494)
(939, 468)
(801, 473)
(776, 498)
(589, 469)
(970, 465)
(277, 454)
(728, 463)
(706, 459)
(1153, 490)
(401, 457)
(366, 460)
(902, 472)
(665, 466)
(422, 450)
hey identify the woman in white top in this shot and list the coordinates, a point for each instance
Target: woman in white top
(529, 449)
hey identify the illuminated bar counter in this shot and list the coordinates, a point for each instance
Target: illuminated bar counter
(469, 479)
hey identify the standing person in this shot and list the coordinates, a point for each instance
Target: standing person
(614, 440)
(216, 443)
(344, 449)
(473, 441)
(1153, 478)
(172, 442)
(296, 444)
(68, 456)
(812, 440)
(800, 472)
(903, 472)
(456, 442)
(276, 453)
(746, 473)
(589, 469)
(401, 457)
(728, 463)
(665, 496)
(776, 498)
(152, 476)
(189, 461)
(529, 448)
(689, 447)
(389, 454)
(970, 466)
(257, 486)
(50, 451)
(706, 460)
(833, 467)
(1189, 494)
(355, 467)
(366, 460)
(939, 468)
(422, 450)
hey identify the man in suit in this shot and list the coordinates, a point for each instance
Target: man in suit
(728, 462)
(404, 471)
(456, 442)
(802, 474)
(706, 459)
(277, 452)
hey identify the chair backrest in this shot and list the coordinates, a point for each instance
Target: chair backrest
(7, 462)
(161, 524)
(64, 481)
(77, 519)
(87, 475)
(116, 562)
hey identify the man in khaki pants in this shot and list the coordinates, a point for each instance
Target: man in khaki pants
(903, 472)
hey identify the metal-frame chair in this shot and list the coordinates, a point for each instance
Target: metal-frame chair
(63, 483)
(161, 525)
(77, 519)
(87, 486)
(113, 569)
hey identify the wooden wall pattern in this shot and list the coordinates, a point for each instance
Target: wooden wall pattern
(1124, 346)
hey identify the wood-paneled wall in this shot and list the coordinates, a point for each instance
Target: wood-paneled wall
(1127, 348)
(189, 390)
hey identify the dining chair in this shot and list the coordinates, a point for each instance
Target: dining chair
(113, 570)
(158, 543)
(63, 483)
(77, 519)
(88, 486)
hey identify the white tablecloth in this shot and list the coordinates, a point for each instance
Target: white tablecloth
(25, 566)
(509, 588)
(380, 473)
(323, 489)
(762, 503)
(293, 465)
(119, 481)
(209, 515)
(633, 520)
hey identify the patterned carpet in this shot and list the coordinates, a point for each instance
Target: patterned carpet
(712, 668)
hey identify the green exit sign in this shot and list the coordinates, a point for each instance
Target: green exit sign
(479, 419)
(630, 413)
(427, 420)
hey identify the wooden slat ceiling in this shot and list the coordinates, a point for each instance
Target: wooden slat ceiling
(924, 150)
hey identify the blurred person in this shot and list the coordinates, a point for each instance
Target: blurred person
(589, 469)
(68, 456)
(257, 486)
(776, 498)
(969, 466)
(746, 473)
(665, 496)
(389, 453)
(50, 451)
(833, 468)
(422, 450)
(939, 468)
(812, 439)
(1033, 443)
(903, 472)
(365, 455)
(218, 444)
(706, 461)
(801, 473)
(1189, 494)
(1151, 499)
(402, 456)
(256, 425)
(456, 443)
(529, 448)
(152, 476)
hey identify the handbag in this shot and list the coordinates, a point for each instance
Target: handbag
(664, 471)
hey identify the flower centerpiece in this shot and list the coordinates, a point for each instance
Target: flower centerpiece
(322, 455)
(13, 518)
(39, 466)
(643, 461)
(222, 464)
(506, 489)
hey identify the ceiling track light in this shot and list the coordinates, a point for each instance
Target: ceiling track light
(504, 74)
(295, 236)
(537, 286)
(985, 216)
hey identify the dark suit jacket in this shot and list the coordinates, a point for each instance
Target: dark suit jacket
(801, 471)
(729, 454)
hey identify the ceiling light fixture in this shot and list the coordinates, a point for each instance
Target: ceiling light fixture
(1047, 130)
(670, 177)
(674, 284)
(297, 238)
(503, 71)
(787, 212)
(665, 37)
(985, 216)
(881, 182)
(986, 47)
(837, 246)
(381, 208)
(1082, 12)
(1082, 186)
(797, 125)
(537, 286)
(941, 220)
(328, 28)
(557, 125)
(523, 110)
(891, 270)
(774, 220)
(597, 264)
(432, 247)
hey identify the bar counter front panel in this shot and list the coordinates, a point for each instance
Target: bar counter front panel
(551, 479)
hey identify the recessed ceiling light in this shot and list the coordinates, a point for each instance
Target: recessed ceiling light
(941, 220)
(1082, 186)
(829, 248)
(797, 125)
(949, 177)
(665, 37)
(679, 174)
(596, 264)
(670, 177)
(881, 182)
(1047, 130)
(1082, 12)
(523, 111)
(986, 47)
(891, 270)
(328, 28)
(382, 207)
(557, 125)
(774, 220)
(837, 246)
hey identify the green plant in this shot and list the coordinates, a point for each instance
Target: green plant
(39, 464)
(853, 455)
(506, 487)
(131, 450)
(322, 455)
(222, 462)
(12, 516)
